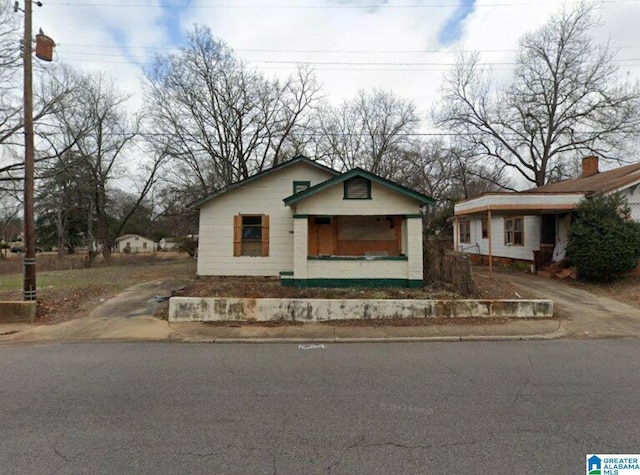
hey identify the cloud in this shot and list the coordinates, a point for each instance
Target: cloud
(405, 46)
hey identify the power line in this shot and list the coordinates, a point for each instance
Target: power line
(232, 6)
(307, 51)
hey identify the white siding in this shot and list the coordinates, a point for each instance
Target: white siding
(383, 201)
(357, 269)
(263, 196)
(136, 245)
(478, 245)
(632, 195)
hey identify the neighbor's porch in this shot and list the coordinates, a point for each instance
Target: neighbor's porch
(367, 250)
(520, 227)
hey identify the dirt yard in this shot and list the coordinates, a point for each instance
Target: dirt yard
(75, 292)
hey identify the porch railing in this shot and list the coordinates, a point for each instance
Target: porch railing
(544, 256)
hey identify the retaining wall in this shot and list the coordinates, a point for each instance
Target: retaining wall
(17, 312)
(195, 309)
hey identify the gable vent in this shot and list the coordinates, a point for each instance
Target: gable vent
(357, 189)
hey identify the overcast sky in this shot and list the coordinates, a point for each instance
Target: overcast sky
(402, 45)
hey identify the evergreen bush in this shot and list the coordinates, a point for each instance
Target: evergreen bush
(603, 242)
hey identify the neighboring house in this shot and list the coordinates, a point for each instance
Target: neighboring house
(134, 243)
(314, 226)
(533, 225)
(168, 243)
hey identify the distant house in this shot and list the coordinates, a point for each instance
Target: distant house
(314, 226)
(533, 225)
(134, 243)
(168, 243)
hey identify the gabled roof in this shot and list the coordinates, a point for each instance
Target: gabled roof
(602, 182)
(263, 173)
(403, 190)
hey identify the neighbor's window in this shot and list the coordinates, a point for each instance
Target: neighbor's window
(464, 231)
(485, 229)
(357, 189)
(300, 186)
(513, 232)
(251, 235)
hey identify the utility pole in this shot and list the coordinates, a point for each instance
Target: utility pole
(29, 259)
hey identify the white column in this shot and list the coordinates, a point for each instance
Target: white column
(414, 248)
(300, 247)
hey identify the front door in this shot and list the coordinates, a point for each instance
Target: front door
(322, 236)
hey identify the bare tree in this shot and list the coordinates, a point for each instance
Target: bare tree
(371, 131)
(565, 99)
(95, 137)
(217, 120)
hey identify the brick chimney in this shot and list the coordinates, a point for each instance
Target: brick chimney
(590, 166)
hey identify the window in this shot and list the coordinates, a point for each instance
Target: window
(513, 232)
(300, 186)
(251, 235)
(464, 231)
(357, 189)
(322, 220)
(485, 229)
(144, 245)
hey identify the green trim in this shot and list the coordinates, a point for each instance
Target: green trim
(361, 283)
(233, 186)
(422, 199)
(300, 216)
(286, 272)
(357, 258)
(297, 182)
(413, 216)
(344, 190)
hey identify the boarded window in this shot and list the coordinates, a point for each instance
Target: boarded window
(357, 189)
(513, 232)
(464, 231)
(251, 235)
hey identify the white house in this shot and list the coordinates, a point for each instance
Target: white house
(533, 225)
(313, 226)
(134, 243)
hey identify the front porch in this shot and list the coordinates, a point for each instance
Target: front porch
(356, 251)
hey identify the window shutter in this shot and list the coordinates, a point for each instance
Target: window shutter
(265, 235)
(237, 235)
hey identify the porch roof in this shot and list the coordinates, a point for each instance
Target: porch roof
(523, 202)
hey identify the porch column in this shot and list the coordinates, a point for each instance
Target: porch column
(455, 233)
(414, 248)
(489, 236)
(300, 246)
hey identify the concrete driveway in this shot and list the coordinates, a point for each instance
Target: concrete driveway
(590, 316)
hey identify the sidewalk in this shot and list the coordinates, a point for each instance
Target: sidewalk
(127, 317)
(148, 328)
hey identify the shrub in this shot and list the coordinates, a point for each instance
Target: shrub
(603, 242)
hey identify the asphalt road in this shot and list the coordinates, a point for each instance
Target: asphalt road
(452, 408)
